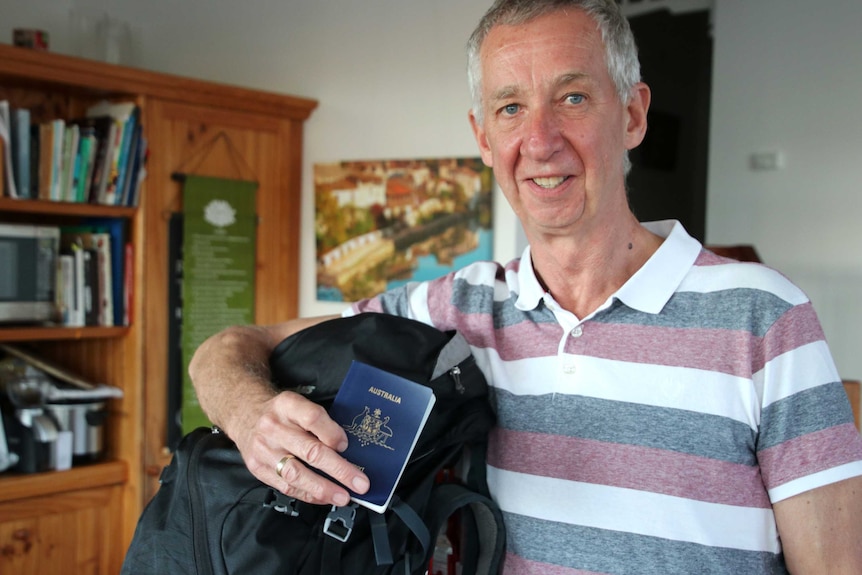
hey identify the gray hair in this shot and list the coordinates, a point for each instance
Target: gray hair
(621, 54)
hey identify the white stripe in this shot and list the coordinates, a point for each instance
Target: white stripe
(690, 389)
(632, 511)
(417, 302)
(804, 484)
(706, 279)
(478, 273)
(802, 368)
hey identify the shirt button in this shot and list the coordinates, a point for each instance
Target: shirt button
(578, 331)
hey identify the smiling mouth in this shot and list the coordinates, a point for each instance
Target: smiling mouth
(548, 183)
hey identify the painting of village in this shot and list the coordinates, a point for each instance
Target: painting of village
(380, 224)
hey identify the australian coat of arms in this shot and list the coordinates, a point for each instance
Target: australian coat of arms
(370, 428)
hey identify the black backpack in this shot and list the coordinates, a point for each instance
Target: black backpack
(211, 516)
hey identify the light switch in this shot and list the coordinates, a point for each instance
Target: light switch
(760, 161)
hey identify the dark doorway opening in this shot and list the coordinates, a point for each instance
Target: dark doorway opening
(669, 173)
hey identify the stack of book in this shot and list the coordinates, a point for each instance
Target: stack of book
(94, 275)
(98, 159)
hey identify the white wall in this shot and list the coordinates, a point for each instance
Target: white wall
(787, 77)
(389, 75)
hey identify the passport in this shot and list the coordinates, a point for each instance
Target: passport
(383, 415)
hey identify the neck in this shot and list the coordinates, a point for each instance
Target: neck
(582, 274)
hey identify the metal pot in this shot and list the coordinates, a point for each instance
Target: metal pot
(86, 420)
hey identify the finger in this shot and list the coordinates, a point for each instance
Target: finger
(313, 418)
(319, 456)
(297, 480)
(283, 428)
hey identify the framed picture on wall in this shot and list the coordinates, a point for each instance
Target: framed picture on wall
(382, 223)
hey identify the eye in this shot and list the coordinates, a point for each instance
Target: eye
(575, 98)
(510, 109)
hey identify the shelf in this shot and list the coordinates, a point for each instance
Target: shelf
(64, 208)
(14, 487)
(44, 333)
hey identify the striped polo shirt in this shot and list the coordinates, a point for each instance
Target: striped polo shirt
(652, 436)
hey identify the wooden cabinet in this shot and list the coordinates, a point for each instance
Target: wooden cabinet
(81, 520)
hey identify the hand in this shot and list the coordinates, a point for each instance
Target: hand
(288, 425)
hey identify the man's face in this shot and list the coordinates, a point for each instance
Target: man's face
(554, 129)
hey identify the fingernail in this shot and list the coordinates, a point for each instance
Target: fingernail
(341, 499)
(342, 446)
(360, 484)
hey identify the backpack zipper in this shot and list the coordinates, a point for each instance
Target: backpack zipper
(199, 527)
(455, 372)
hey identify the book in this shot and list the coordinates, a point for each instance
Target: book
(66, 289)
(45, 159)
(71, 246)
(124, 115)
(383, 415)
(115, 228)
(101, 130)
(58, 129)
(20, 132)
(140, 172)
(34, 160)
(3, 191)
(130, 171)
(96, 238)
(91, 287)
(8, 183)
(67, 165)
(84, 163)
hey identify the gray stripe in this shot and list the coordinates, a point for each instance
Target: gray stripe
(394, 302)
(740, 309)
(677, 430)
(471, 299)
(604, 551)
(805, 412)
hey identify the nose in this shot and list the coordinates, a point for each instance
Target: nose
(543, 135)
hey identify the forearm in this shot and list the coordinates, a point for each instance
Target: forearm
(230, 373)
(231, 376)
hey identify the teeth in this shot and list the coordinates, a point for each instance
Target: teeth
(548, 183)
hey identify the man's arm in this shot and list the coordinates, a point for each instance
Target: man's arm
(821, 529)
(231, 376)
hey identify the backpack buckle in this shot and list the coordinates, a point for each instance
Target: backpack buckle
(280, 502)
(339, 522)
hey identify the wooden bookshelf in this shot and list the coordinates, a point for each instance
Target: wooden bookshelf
(81, 520)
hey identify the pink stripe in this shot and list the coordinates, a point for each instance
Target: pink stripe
(809, 454)
(711, 259)
(668, 346)
(515, 565)
(372, 305)
(796, 328)
(628, 466)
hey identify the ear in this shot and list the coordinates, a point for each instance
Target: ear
(636, 112)
(481, 140)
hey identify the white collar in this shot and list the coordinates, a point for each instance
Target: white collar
(649, 289)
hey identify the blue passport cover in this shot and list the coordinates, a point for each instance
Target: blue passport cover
(383, 415)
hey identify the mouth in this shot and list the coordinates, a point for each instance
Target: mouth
(549, 183)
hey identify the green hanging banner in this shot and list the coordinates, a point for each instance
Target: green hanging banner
(218, 269)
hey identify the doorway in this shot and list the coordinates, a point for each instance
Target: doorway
(669, 173)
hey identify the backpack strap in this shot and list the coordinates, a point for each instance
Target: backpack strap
(332, 545)
(485, 536)
(412, 520)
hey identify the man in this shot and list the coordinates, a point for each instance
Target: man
(660, 409)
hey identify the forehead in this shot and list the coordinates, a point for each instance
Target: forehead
(561, 43)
